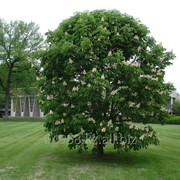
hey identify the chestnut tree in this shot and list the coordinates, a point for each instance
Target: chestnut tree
(102, 70)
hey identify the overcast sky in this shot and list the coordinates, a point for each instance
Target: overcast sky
(161, 16)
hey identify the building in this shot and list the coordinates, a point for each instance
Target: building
(24, 103)
(174, 97)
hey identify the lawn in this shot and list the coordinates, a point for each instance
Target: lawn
(25, 153)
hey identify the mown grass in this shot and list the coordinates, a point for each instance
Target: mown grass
(25, 153)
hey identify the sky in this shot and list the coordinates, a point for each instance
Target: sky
(160, 16)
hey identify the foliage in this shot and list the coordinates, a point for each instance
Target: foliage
(100, 69)
(170, 119)
(19, 42)
(176, 108)
(173, 119)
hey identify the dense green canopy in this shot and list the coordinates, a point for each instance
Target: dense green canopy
(101, 69)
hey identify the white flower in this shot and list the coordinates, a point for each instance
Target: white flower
(110, 123)
(66, 33)
(84, 72)
(147, 129)
(114, 66)
(138, 105)
(64, 114)
(116, 129)
(82, 130)
(101, 124)
(123, 143)
(109, 53)
(131, 104)
(136, 37)
(102, 77)
(83, 82)
(134, 94)
(102, 19)
(131, 126)
(153, 70)
(114, 92)
(62, 121)
(72, 106)
(141, 137)
(139, 48)
(64, 83)
(94, 70)
(103, 129)
(57, 122)
(117, 33)
(90, 119)
(105, 28)
(151, 134)
(89, 103)
(89, 85)
(50, 112)
(75, 88)
(70, 61)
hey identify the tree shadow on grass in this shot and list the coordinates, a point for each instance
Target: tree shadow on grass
(116, 158)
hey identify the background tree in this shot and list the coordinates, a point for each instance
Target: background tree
(19, 42)
(176, 108)
(102, 69)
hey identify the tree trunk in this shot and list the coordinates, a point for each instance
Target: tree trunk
(7, 96)
(7, 92)
(100, 150)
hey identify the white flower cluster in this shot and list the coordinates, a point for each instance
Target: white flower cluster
(161, 92)
(114, 66)
(164, 109)
(110, 124)
(147, 87)
(149, 77)
(64, 83)
(64, 114)
(75, 88)
(127, 63)
(133, 104)
(136, 37)
(123, 143)
(102, 19)
(117, 129)
(89, 103)
(142, 137)
(158, 71)
(50, 112)
(114, 92)
(90, 119)
(49, 97)
(72, 106)
(101, 124)
(103, 130)
(102, 77)
(94, 69)
(84, 72)
(70, 61)
(110, 53)
(134, 94)
(83, 82)
(57, 122)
